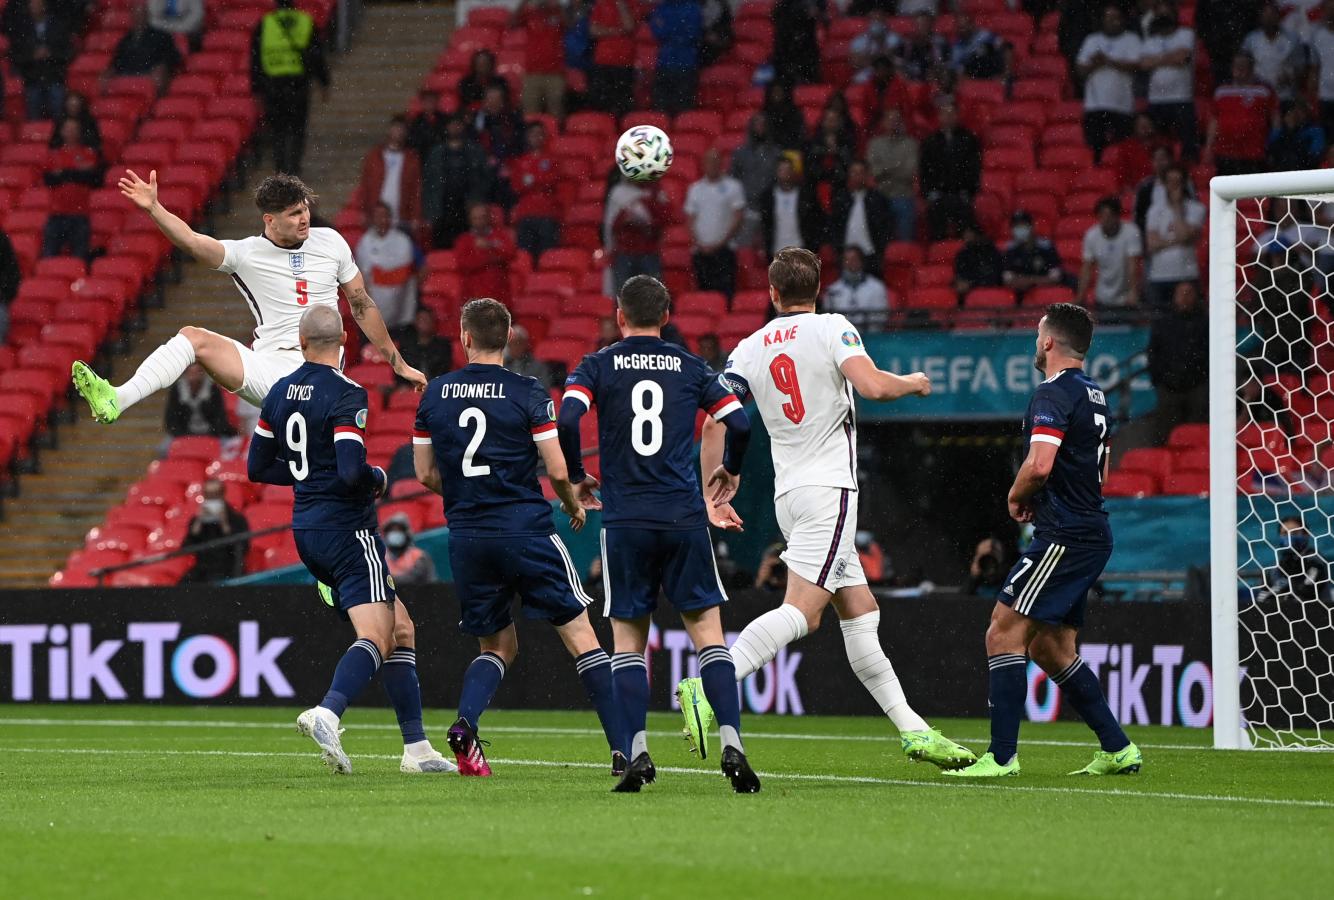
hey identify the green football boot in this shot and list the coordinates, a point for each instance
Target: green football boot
(326, 594)
(987, 767)
(1126, 761)
(698, 715)
(933, 747)
(99, 393)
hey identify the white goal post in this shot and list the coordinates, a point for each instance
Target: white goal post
(1272, 647)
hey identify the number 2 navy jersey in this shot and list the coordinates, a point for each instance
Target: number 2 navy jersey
(1070, 411)
(306, 413)
(647, 392)
(484, 423)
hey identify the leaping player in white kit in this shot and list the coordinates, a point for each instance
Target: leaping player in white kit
(801, 369)
(281, 273)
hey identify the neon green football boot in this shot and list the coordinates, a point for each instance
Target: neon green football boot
(99, 393)
(933, 747)
(1126, 761)
(987, 767)
(698, 715)
(326, 593)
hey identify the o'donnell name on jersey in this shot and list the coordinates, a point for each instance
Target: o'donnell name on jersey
(486, 391)
(661, 362)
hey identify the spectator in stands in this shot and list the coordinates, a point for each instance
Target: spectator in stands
(857, 294)
(951, 173)
(179, 17)
(422, 346)
(215, 520)
(145, 51)
(635, 217)
(72, 172)
(718, 36)
(1134, 156)
(1299, 572)
(1029, 261)
(1108, 61)
(480, 78)
(753, 165)
(1322, 68)
(391, 175)
(1280, 56)
(543, 21)
(499, 126)
(829, 152)
(787, 128)
(715, 208)
(861, 217)
(1178, 358)
(892, 156)
(1245, 112)
(1296, 143)
(195, 407)
(457, 175)
(76, 107)
(41, 47)
(286, 53)
(876, 41)
(611, 86)
(578, 40)
(986, 573)
(797, 60)
(1223, 25)
(1169, 58)
(388, 260)
(790, 212)
(519, 357)
(886, 90)
(1281, 312)
(427, 127)
(1078, 20)
(408, 563)
(537, 209)
(709, 349)
(976, 52)
(1172, 231)
(1113, 247)
(678, 27)
(925, 53)
(1153, 189)
(772, 574)
(484, 254)
(978, 263)
(876, 564)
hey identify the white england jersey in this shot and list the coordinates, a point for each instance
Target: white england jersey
(279, 284)
(791, 368)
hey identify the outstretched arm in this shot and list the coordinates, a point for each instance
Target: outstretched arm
(875, 384)
(372, 325)
(143, 194)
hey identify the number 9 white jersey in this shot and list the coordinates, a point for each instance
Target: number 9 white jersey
(791, 368)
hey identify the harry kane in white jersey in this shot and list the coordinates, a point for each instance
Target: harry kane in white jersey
(280, 273)
(801, 369)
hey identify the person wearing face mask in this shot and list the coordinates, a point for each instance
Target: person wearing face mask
(861, 297)
(216, 519)
(408, 563)
(1299, 572)
(1030, 261)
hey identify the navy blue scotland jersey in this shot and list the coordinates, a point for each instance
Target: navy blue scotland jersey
(1070, 411)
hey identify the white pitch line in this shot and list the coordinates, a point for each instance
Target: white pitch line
(523, 729)
(782, 776)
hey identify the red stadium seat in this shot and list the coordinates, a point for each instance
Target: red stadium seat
(1129, 484)
(989, 298)
(1182, 483)
(1148, 460)
(1189, 437)
(932, 298)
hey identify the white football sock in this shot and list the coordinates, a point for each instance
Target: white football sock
(762, 639)
(638, 744)
(158, 372)
(727, 734)
(862, 641)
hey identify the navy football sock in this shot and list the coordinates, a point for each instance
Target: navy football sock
(479, 686)
(400, 683)
(594, 668)
(629, 675)
(1009, 687)
(1080, 686)
(355, 670)
(718, 673)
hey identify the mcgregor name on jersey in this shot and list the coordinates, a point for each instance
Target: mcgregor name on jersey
(656, 361)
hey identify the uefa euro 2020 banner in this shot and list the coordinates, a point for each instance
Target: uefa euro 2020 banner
(987, 374)
(278, 645)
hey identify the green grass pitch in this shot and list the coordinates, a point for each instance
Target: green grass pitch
(146, 802)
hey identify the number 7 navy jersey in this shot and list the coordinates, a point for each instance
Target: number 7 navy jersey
(1070, 411)
(647, 392)
(484, 423)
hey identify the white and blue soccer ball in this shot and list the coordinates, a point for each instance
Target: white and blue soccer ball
(644, 153)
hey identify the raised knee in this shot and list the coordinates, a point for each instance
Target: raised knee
(197, 337)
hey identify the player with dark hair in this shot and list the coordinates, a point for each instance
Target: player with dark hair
(655, 536)
(479, 435)
(1041, 607)
(281, 273)
(311, 435)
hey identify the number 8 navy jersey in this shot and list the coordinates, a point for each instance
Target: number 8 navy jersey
(1070, 411)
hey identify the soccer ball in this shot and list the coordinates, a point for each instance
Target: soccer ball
(644, 153)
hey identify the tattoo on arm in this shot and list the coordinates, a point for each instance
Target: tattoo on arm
(361, 302)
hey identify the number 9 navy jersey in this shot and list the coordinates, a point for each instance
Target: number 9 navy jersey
(1070, 411)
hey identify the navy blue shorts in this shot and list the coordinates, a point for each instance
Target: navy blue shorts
(1051, 582)
(640, 563)
(350, 562)
(490, 571)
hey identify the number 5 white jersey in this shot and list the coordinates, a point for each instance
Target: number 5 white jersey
(791, 368)
(281, 283)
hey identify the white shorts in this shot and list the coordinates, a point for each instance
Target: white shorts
(262, 370)
(819, 525)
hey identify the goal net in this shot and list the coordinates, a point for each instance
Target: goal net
(1271, 291)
